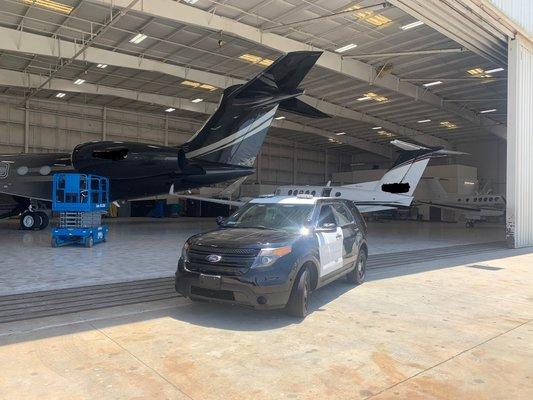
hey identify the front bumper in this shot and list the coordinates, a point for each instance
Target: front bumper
(254, 289)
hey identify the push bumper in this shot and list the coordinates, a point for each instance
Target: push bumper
(243, 290)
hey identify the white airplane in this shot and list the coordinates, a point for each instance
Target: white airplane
(394, 189)
(474, 207)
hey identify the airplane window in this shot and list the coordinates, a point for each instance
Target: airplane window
(496, 199)
(22, 170)
(490, 198)
(295, 192)
(307, 192)
(278, 191)
(458, 199)
(467, 200)
(484, 199)
(4, 169)
(290, 192)
(338, 194)
(301, 191)
(313, 192)
(45, 170)
(475, 198)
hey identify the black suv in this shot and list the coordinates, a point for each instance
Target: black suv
(274, 251)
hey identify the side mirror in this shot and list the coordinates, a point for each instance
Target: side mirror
(327, 227)
(220, 220)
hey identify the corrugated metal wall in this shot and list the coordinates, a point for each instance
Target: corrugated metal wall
(520, 144)
(521, 11)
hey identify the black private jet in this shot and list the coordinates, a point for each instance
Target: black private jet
(224, 149)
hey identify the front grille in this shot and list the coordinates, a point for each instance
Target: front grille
(234, 261)
(213, 293)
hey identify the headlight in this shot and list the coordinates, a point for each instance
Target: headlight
(269, 256)
(185, 251)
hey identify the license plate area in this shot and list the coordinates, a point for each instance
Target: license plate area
(210, 281)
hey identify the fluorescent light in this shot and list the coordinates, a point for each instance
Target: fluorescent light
(487, 111)
(280, 117)
(170, 109)
(376, 127)
(50, 5)
(102, 66)
(198, 85)
(386, 134)
(448, 125)
(190, 1)
(363, 98)
(138, 38)
(411, 25)
(340, 133)
(423, 120)
(490, 71)
(346, 48)
(60, 95)
(79, 81)
(469, 183)
(197, 100)
(254, 59)
(432, 83)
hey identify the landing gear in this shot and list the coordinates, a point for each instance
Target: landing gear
(33, 220)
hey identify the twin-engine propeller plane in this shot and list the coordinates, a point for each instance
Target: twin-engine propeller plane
(224, 149)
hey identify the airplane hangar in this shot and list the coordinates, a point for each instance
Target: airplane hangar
(446, 80)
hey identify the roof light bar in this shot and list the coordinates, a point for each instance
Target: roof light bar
(50, 5)
(79, 81)
(432, 83)
(346, 48)
(411, 25)
(138, 38)
(488, 111)
(170, 109)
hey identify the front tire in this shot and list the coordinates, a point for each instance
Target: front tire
(298, 305)
(357, 275)
(44, 220)
(30, 221)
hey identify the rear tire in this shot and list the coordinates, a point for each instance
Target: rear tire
(357, 275)
(44, 220)
(298, 305)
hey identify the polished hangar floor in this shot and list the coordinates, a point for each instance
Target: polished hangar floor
(148, 248)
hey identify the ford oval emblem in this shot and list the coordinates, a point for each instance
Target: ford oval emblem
(213, 258)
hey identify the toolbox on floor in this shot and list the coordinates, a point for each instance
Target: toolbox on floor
(80, 200)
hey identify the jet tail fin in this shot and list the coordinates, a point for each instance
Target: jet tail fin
(235, 132)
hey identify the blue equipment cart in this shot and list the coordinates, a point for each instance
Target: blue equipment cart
(80, 200)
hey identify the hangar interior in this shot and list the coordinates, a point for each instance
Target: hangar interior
(451, 74)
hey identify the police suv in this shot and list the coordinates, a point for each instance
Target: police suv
(274, 251)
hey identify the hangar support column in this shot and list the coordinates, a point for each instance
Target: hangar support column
(520, 144)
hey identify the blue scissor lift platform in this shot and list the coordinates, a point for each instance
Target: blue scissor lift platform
(80, 200)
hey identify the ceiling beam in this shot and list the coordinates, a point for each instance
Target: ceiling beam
(18, 41)
(30, 81)
(189, 15)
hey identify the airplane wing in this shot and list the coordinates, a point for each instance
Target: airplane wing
(369, 209)
(232, 188)
(231, 203)
(412, 147)
(456, 207)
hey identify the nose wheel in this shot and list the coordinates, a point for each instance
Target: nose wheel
(33, 220)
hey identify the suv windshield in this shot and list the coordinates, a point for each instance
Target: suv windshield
(290, 217)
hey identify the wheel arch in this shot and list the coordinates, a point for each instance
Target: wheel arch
(311, 263)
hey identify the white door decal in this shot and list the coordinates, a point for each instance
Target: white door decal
(330, 251)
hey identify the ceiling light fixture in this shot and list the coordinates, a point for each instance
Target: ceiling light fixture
(369, 16)
(170, 109)
(256, 59)
(423, 120)
(197, 100)
(50, 5)
(280, 118)
(363, 98)
(60, 95)
(386, 134)
(432, 83)
(346, 48)
(376, 127)
(340, 133)
(79, 81)
(101, 66)
(491, 71)
(199, 85)
(375, 97)
(448, 125)
(138, 38)
(488, 111)
(190, 1)
(411, 25)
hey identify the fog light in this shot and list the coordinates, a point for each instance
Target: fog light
(261, 300)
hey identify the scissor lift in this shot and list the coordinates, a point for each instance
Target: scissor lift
(80, 200)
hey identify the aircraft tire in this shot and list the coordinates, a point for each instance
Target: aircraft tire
(44, 220)
(30, 221)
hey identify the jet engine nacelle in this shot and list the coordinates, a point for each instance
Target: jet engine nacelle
(125, 160)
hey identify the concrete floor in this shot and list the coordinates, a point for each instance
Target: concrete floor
(438, 330)
(148, 248)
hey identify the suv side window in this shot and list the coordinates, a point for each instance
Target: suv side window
(358, 217)
(344, 215)
(326, 216)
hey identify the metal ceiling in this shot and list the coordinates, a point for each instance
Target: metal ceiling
(172, 43)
